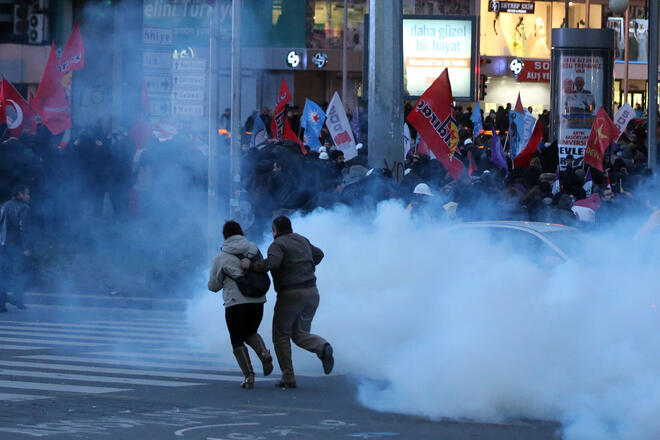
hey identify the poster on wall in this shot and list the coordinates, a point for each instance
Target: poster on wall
(581, 83)
(432, 44)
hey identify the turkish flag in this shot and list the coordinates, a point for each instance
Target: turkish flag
(14, 111)
(50, 101)
(73, 55)
(525, 156)
(603, 133)
(279, 121)
(433, 119)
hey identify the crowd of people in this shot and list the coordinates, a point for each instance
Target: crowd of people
(99, 190)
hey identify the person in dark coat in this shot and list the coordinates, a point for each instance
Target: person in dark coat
(15, 249)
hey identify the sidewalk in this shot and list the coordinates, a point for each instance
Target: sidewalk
(114, 301)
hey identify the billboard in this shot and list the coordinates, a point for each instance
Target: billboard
(433, 43)
(580, 79)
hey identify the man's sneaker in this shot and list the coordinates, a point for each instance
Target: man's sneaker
(327, 359)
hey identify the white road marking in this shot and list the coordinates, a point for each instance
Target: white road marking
(155, 325)
(50, 342)
(126, 371)
(58, 387)
(89, 378)
(126, 338)
(127, 362)
(56, 331)
(166, 357)
(21, 397)
(180, 432)
(73, 327)
(20, 347)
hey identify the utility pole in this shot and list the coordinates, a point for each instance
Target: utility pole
(652, 140)
(235, 150)
(213, 226)
(344, 76)
(386, 86)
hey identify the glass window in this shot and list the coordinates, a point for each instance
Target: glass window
(436, 7)
(325, 23)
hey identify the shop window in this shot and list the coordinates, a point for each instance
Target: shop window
(638, 38)
(325, 24)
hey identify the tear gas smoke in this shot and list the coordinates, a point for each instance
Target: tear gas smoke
(447, 324)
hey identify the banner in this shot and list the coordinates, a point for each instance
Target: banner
(312, 121)
(73, 55)
(601, 136)
(340, 128)
(279, 119)
(581, 82)
(623, 116)
(50, 102)
(433, 118)
(521, 126)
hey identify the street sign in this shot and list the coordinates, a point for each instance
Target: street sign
(158, 83)
(190, 110)
(188, 95)
(157, 36)
(186, 80)
(160, 106)
(511, 7)
(156, 60)
(189, 65)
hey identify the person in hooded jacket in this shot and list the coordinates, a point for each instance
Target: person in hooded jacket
(242, 314)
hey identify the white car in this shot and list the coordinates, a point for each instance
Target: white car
(549, 244)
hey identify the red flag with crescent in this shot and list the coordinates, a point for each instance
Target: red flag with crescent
(14, 111)
(433, 118)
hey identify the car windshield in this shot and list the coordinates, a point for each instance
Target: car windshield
(569, 241)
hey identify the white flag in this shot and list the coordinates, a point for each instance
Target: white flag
(623, 116)
(340, 128)
(407, 141)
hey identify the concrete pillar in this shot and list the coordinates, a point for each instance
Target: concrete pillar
(385, 92)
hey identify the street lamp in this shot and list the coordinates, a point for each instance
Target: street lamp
(618, 6)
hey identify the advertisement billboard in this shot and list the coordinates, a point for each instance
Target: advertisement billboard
(431, 44)
(580, 78)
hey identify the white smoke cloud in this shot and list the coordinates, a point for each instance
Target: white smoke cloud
(450, 325)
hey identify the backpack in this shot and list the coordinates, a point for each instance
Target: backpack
(252, 284)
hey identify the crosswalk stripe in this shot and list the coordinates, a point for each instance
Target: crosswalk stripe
(32, 331)
(88, 378)
(126, 362)
(166, 357)
(167, 321)
(127, 338)
(197, 351)
(126, 371)
(50, 342)
(58, 387)
(49, 325)
(21, 397)
(142, 324)
(19, 347)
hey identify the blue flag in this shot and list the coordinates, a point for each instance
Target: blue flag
(521, 127)
(476, 119)
(497, 152)
(257, 127)
(312, 121)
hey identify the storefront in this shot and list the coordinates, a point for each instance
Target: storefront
(515, 45)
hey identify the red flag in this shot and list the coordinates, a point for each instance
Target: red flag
(14, 111)
(50, 101)
(277, 125)
(146, 107)
(290, 135)
(141, 133)
(433, 119)
(73, 55)
(525, 156)
(519, 107)
(603, 132)
(471, 167)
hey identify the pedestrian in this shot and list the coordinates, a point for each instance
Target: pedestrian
(243, 314)
(15, 249)
(292, 260)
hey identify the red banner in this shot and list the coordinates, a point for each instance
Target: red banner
(603, 133)
(433, 119)
(535, 71)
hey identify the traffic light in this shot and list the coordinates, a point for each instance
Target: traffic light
(482, 87)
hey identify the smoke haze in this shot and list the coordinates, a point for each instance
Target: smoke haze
(451, 325)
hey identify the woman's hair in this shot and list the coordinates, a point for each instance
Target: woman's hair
(231, 228)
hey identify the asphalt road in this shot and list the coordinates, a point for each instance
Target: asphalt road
(69, 373)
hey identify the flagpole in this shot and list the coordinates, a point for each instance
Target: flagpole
(213, 226)
(235, 150)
